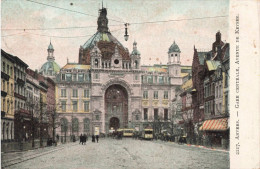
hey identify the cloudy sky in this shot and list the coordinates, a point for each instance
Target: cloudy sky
(153, 40)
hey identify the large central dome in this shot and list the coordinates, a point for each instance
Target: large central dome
(104, 40)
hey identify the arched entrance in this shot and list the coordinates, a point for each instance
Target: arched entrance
(114, 123)
(116, 106)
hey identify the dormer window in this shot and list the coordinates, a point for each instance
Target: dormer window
(96, 62)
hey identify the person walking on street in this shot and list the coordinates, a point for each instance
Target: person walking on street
(97, 136)
(93, 138)
(81, 139)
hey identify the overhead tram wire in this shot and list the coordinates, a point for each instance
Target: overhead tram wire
(70, 10)
(53, 36)
(135, 23)
(176, 20)
(35, 29)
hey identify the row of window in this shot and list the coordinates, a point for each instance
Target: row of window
(75, 77)
(86, 93)
(155, 114)
(8, 87)
(75, 125)
(155, 79)
(74, 106)
(211, 89)
(155, 94)
(7, 69)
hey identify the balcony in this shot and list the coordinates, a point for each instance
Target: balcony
(3, 114)
(19, 96)
(3, 93)
(20, 81)
(5, 76)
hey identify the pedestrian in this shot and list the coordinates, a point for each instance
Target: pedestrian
(81, 139)
(97, 136)
(93, 138)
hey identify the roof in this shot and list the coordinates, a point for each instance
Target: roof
(187, 85)
(76, 66)
(154, 69)
(184, 74)
(101, 36)
(202, 56)
(50, 65)
(212, 65)
(174, 48)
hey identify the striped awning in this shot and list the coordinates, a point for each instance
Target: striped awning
(215, 125)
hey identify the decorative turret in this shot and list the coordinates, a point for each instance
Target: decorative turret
(50, 50)
(174, 60)
(102, 20)
(174, 54)
(135, 56)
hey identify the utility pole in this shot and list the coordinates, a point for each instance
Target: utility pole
(41, 112)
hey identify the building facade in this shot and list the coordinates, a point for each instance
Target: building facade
(109, 88)
(7, 96)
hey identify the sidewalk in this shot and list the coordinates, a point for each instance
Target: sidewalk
(11, 158)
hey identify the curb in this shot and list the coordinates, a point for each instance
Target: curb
(214, 149)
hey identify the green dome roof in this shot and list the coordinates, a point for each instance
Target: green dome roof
(174, 48)
(50, 68)
(136, 52)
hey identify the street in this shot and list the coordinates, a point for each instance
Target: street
(126, 153)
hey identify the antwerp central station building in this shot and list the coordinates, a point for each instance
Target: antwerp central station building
(109, 88)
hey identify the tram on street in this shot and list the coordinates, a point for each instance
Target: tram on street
(147, 134)
(128, 132)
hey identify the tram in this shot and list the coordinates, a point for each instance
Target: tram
(147, 134)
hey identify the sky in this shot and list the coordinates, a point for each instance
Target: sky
(153, 40)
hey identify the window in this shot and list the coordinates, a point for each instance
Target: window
(11, 71)
(64, 125)
(3, 84)
(145, 114)
(12, 90)
(86, 125)
(68, 77)
(3, 66)
(87, 77)
(150, 79)
(63, 93)
(96, 76)
(75, 105)
(165, 95)
(75, 93)
(216, 91)
(220, 90)
(8, 87)
(3, 104)
(81, 77)
(136, 77)
(7, 69)
(86, 93)
(63, 77)
(145, 95)
(86, 106)
(144, 79)
(75, 125)
(226, 80)
(155, 114)
(165, 114)
(155, 95)
(226, 103)
(136, 117)
(161, 79)
(63, 106)
(97, 117)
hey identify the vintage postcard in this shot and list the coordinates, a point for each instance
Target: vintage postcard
(130, 84)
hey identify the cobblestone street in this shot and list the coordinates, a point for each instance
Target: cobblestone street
(126, 153)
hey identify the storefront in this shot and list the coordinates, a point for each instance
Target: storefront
(216, 132)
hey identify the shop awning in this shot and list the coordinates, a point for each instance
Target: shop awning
(215, 125)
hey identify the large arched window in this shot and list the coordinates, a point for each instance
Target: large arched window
(64, 125)
(86, 125)
(75, 125)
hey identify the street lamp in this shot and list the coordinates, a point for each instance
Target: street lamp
(126, 34)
